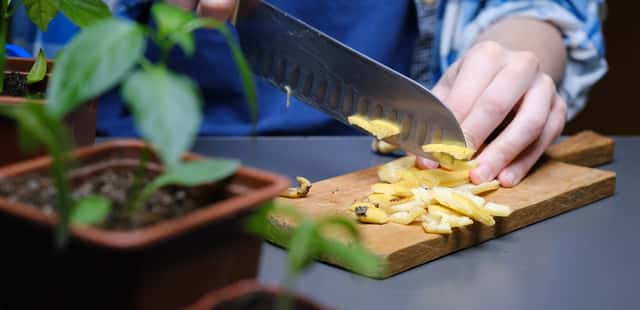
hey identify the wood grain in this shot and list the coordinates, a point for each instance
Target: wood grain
(586, 148)
(552, 188)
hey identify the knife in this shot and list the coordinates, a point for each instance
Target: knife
(334, 78)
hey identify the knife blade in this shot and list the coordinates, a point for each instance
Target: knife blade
(338, 80)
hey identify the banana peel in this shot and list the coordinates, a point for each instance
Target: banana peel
(298, 192)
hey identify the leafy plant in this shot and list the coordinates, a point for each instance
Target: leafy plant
(81, 12)
(309, 241)
(166, 106)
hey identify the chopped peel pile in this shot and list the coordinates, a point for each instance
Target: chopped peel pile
(441, 199)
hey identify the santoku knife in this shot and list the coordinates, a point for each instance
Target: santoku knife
(340, 81)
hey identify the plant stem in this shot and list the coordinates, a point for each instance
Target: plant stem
(4, 20)
(136, 189)
(145, 63)
(285, 301)
(16, 6)
(64, 202)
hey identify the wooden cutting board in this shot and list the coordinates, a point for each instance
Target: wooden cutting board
(553, 187)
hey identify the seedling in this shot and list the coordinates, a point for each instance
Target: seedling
(310, 241)
(165, 105)
(81, 12)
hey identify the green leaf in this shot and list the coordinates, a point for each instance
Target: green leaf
(27, 139)
(28, 142)
(304, 247)
(244, 69)
(170, 18)
(340, 221)
(36, 122)
(356, 257)
(197, 172)
(83, 13)
(39, 69)
(191, 173)
(166, 110)
(91, 210)
(245, 75)
(171, 22)
(95, 61)
(258, 222)
(41, 12)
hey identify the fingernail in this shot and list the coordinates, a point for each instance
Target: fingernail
(427, 163)
(507, 178)
(481, 174)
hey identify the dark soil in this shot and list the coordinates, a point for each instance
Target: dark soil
(15, 84)
(166, 203)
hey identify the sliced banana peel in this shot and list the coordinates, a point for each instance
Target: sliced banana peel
(434, 224)
(480, 188)
(298, 192)
(391, 172)
(382, 147)
(397, 190)
(458, 152)
(380, 129)
(407, 217)
(371, 215)
(442, 199)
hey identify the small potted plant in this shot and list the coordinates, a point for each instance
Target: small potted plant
(310, 240)
(22, 79)
(138, 224)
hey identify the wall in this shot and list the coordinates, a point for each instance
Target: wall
(614, 103)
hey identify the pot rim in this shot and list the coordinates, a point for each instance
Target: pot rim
(156, 233)
(19, 100)
(242, 288)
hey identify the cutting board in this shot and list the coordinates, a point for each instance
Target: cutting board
(553, 187)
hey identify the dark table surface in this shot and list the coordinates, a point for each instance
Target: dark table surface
(588, 258)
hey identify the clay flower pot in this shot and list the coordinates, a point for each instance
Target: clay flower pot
(81, 122)
(249, 295)
(166, 265)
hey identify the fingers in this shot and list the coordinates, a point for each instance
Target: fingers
(188, 5)
(443, 87)
(500, 97)
(478, 68)
(218, 9)
(516, 171)
(522, 131)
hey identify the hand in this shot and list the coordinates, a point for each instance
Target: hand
(218, 9)
(494, 91)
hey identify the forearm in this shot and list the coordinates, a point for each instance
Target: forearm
(527, 34)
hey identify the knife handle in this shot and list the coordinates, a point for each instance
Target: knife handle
(234, 15)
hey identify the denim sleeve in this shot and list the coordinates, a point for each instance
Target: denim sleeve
(579, 22)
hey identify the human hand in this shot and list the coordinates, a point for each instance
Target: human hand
(494, 91)
(218, 9)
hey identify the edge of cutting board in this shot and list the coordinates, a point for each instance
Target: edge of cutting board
(534, 200)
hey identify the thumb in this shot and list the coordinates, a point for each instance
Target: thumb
(218, 9)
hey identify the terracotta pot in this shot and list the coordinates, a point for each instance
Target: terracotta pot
(163, 266)
(249, 295)
(81, 122)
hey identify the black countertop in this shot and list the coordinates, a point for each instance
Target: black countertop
(588, 258)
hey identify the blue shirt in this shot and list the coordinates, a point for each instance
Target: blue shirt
(383, 30)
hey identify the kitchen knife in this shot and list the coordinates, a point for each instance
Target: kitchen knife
(336, 79)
